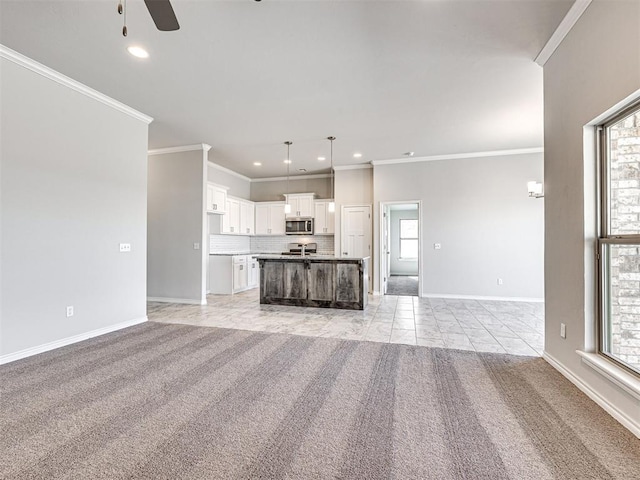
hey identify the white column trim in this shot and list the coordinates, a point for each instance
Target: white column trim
(186, 301)
(456, 156)
(567, 23)
(632, 425)
(229, 171)
(58, 77)
(184, 148)
(28, 352)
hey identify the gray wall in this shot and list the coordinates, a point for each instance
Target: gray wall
(596, 66)
(176, 221)
(400, 267)
(273, 190)
(73, 186)
(238, 187)
(479, 211)
(353, 187)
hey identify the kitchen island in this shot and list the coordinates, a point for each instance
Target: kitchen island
(314, 281)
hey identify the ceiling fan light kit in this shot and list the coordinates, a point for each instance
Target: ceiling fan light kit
(161, 12)
(163, 15)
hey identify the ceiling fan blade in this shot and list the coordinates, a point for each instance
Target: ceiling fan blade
(163, 15)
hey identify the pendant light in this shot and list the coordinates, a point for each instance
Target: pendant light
(287, 205)
(332, 204)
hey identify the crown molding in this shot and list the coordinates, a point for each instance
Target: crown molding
(185, 148)
(456, 156)
(230, 172)
(291, 177)
(567, 23)
(28, 63)
(360, 166)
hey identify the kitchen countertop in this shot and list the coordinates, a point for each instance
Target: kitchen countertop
(276, 254)
(317, 257)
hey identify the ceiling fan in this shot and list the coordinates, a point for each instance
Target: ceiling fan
(160, 10)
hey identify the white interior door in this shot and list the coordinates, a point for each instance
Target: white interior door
(356, 233)
(386, 247)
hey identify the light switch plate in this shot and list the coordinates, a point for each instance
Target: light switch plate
(437, 246)
(125, 247)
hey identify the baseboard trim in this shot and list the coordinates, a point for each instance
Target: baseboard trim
(629, 423)
(28, 352)
(482, 297)
(188, 301)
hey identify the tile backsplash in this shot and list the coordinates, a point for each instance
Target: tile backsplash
(277, 243)
(229, 244)
(265, 244)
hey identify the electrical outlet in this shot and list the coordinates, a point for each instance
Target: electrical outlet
(437, 246)
(196, 246)
(563, 330)
(500, 281)
(125, 247)
(70, 311)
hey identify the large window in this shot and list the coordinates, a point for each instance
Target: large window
(619, 242)
(408, 239)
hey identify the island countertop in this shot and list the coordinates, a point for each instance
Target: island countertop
(312, 257)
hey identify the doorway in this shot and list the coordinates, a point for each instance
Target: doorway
(356, 234)
(400, 256)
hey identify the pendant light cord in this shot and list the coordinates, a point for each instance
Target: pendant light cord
(288, 144)
(333, 193)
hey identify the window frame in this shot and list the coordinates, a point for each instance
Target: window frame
(416, 238)
(605, 236)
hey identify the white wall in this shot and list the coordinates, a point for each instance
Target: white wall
(273, 191)
(238, 186)
(176, 221)
(73, 187)
(400, 266)
(352, 187)
(479, 211)
(596, 66)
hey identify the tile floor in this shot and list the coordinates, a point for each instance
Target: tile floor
(485, 326)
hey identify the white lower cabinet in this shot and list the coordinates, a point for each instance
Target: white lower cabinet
(253, 271)
(231, 273)
(240, 277)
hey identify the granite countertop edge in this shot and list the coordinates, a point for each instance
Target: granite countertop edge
(313, 258)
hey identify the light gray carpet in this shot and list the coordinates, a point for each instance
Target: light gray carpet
(162, 401)
(402, 285)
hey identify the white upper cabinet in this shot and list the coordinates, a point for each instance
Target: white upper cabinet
(324, 220)
(216, 198)
(301, 204)
(247, 218)
(239, 217)
(231, 219)
(269, 218)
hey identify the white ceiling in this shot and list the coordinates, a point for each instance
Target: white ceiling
(385, 77)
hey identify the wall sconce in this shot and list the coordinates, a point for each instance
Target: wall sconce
(535, 189)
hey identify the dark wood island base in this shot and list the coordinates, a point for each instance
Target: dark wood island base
(314, 281)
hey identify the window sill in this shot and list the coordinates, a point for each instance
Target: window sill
(625, 380)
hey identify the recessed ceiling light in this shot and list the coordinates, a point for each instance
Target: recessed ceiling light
(287, 161)
(357, 155)
(257, 164)
(138, 52)
(322, 159)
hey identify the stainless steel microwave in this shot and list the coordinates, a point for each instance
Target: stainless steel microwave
(299, 226)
